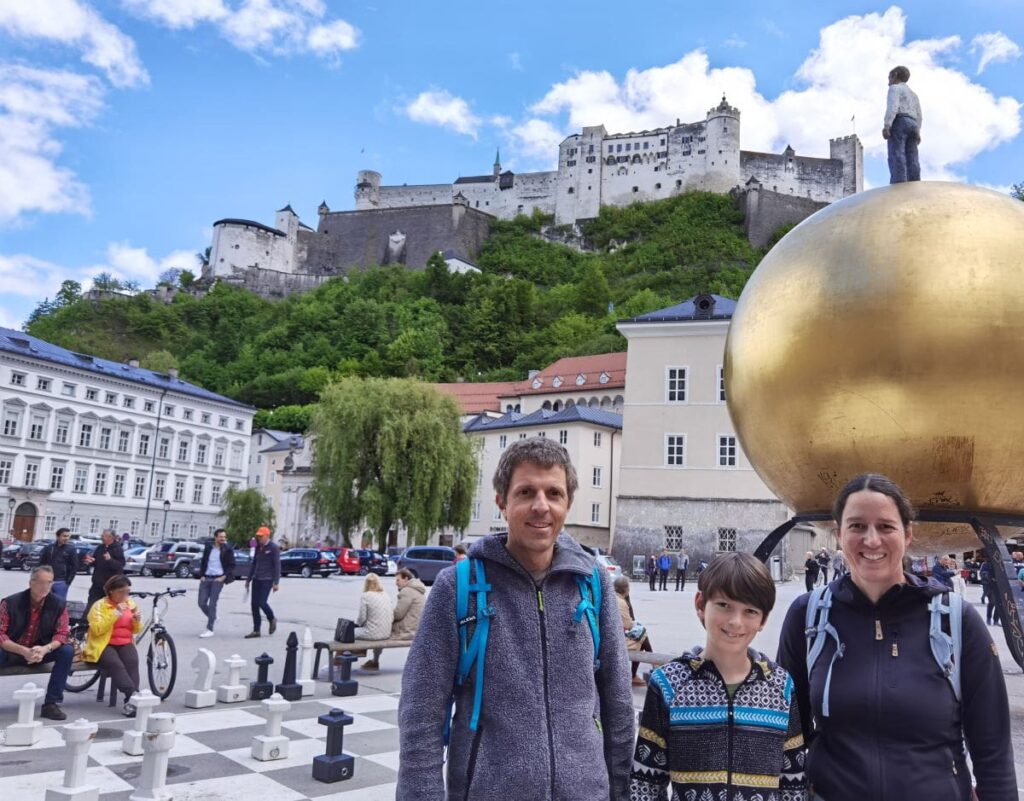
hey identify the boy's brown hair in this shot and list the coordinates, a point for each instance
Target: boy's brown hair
(741, 577)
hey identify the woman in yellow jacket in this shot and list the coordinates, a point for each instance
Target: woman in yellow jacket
(110, 643)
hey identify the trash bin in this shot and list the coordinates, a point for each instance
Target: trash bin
(776, 568)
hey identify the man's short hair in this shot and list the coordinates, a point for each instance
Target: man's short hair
(405, 573)
(107, 531)
(621, 585)
(218, 531)
(901, 74)
(540, 451)
(62, 531)
(40, 569)
(741, 577)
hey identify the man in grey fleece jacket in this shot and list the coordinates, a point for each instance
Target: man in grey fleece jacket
(551, 728)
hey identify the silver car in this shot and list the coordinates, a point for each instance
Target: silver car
(135, 560)
(608, 562)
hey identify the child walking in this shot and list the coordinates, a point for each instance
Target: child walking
(722, 720)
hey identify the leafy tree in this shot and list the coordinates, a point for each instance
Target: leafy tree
(244, 511)
(187, 278)
(391, 451)
(1017, 191)
(159, 361)
(294, 419)
(169, 277)
(69, 292)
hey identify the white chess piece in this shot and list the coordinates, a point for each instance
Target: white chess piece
(272, 744)
(145, 702)
(26, 731)
(202, 695)
(305, 663)
(233, 691)
(77, 736)
(157, 746)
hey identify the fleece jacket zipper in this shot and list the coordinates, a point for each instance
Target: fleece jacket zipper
(547, 703)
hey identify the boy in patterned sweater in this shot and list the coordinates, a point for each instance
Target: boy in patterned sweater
(721, 722)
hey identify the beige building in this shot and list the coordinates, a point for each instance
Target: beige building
(684, 479)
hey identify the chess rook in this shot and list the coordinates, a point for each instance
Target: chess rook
(345, 685)
(145, 702)
(26, 731)
(203, 694)
(156, 752)
(305, 679)
(289, 689)
(233, 691)
(78, 736)
(272, 744)
(263, 687)
(334, 766)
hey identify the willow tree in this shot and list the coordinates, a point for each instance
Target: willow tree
(391, 452)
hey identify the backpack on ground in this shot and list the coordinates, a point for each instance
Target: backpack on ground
(470, 577)
(945, 636)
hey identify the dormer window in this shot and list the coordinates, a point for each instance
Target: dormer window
(581, 380)
(537, 383)
(604, 378)
(557, 382)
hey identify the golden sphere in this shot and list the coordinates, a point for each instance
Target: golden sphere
(886, 334)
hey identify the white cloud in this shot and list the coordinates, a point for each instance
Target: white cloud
(33, 103)
(179, 13)
(537, 139)
(76, 24)
(438, 107)
(735, 41)
(994, 47)
(332, 38)
(134, 263)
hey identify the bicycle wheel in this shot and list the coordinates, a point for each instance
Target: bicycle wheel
(82, 679)
(162, 662)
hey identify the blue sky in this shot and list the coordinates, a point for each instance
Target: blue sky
(128, 126)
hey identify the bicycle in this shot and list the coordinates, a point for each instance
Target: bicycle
(161, 657)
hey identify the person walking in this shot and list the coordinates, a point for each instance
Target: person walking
(664, 565)
(216, 570)
(810, 571)
(988, 583)
(682, 565)
(550, 713)
(62, 557)
(107, 561)
(264, 578)
(824, 560)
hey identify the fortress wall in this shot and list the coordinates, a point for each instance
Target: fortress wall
(801, 176)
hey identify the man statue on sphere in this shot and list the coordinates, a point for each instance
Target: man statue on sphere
(902, 128)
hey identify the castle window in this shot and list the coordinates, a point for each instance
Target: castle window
(590, 149)
(589, 171)
(628, 146)
(571, 190)
(618, 148)
(657, 186)
(719, 152)
(636, 188)
(687, 152)
(646, 144)
(699, 152)
(679, 183)
(611, 160)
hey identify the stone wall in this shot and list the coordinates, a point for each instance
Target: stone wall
(800, 176)
(274, 285)
(766, 211)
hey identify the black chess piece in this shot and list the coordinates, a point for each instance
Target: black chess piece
(345, 685)
(262, 687)
(334, 766)
(289, 688)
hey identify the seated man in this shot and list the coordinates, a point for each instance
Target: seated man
(33, 630)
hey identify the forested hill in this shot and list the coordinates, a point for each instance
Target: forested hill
(533, 303)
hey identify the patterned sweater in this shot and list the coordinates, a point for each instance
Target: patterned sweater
(713, 748)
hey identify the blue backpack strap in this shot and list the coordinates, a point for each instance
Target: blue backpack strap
(946, 648)
(816, 627)
(590, 605)
(471, 649)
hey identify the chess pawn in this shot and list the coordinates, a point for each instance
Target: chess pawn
(78, 736)
(26, 731)
(262, 687)
(202, 695)
(131, 741)
(233, 691)
(156, 754)
(272, 744)
(345, 685)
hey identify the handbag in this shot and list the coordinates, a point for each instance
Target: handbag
(345, 631)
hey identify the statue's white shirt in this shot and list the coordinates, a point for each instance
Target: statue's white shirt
(902, 100)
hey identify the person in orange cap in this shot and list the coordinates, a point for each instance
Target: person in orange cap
(264, 577)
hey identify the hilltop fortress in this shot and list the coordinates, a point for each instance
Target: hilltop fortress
(406, 224)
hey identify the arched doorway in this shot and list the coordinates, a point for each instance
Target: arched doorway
(24, 527)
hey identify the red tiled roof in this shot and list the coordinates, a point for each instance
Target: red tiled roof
(476, 398)
(587, 369)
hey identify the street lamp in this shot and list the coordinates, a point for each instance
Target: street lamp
(10, 515)
(167, 508)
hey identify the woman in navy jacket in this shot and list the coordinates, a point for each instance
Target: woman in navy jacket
(893, 729)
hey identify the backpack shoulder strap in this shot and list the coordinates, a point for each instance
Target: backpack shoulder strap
(817, 629)
(470, 577)
(946, 612)
(590, 606)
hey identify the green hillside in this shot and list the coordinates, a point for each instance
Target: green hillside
(534, 302)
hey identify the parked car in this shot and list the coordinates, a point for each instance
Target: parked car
(135, 561)
(36, 553)
(14, 556)
(371, 562)
(392, 566)
(173, 557)
(243, 561)
(395, 551)
(84, 548)
(347, 560)
(608, 562)
(427, 561)
(307, 562)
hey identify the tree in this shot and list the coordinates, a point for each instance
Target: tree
(159, 361)
(244, 511)
(169, 277)
(1017, 191)
(69, 292)
(186, 279)
(389, 452)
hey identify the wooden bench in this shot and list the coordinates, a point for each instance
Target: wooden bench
(334, 647)
(651, 657)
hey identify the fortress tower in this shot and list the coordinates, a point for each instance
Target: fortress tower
(722, 148)
(850, 151)
(367, 190)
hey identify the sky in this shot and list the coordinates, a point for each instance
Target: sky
(127, 127)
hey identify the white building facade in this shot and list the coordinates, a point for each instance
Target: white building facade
(92, 444)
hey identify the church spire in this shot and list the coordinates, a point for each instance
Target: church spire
(497, 162)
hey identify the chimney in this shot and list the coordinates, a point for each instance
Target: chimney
(172, 372)
(133, 362)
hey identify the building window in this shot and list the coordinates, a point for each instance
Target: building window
(124, 441)
(120, 477)
(105, 435)
(595, 513)
(11, 420)
(496, 515)
(159, 487)
(673, 538)
(597, 439)
(193, 529)
(236, 459)
(542, 434)
(148, 406)
(165, 448)
(85, 436)
(43, 384)
(215, 493)
(721, 384)
(186, 414)
(179, 489)
(205, 417)
(675, 384)
(197, 491)
(74, 523)
(476, 511)
(31, 474)
(81, 479)
(140, 486)
(675, 450)
(503, 441)
(91, 394)
(94, 525)
(134, 528)
(17, 379)
(128, 403)
(99, 486)
(6, 468)
(49, 524)
(597, 477)
(727, 539)
(37, 429)
(524, 435)
(174, 530)
(201, 453)
(111, 398)
(239, 425)
(68, 390)
(63, 432)
(143, 445)
(154, 529)
(726, 451)
(168, 410)
(57, 477)
(218, 456)
(112, 524)
(222, 422)
(183, 450)
(563, 436)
